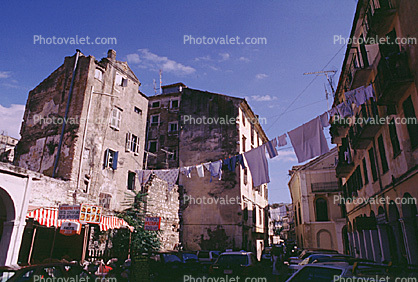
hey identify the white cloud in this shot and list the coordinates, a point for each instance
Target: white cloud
(204, 58)
(243, 59)
(261, 98)
(261, 76)
(224, 56)
(11, 119)
(133, 59)
(149, 60)
(285, 156)
(5, 74)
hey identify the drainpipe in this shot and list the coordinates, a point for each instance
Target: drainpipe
(66, 114)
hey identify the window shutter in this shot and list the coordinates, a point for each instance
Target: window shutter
(124, 82)
(137, 146)
(128, 142)
(106, 159)
(115, 160)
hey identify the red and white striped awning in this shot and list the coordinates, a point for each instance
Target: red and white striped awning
(113, 222)
(49, 217)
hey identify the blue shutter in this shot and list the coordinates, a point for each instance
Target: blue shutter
(115, 160)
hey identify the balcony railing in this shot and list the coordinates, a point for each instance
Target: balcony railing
(393, 78)
(365, 127)
(359, 74)
(379, 18)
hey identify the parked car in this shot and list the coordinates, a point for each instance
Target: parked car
(307, 252)
(314, 257)
(235, 263)
(206, 258)
(47, 270)
(321, 272)
(191, 262)
(165, 265)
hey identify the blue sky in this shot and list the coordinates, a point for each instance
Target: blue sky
(150, 36)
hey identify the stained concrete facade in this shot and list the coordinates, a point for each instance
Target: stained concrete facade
(382, 160)
(104, 135)
(319, 220)
(194, 141)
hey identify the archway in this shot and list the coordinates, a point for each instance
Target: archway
(409, 227)
(324, 239)
(395, 227)
(7, 216)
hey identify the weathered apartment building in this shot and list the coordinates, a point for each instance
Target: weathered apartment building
(102, 143)
(380, 160)
(319, 219)
(178, 136)
(7, 148)
(281, 223)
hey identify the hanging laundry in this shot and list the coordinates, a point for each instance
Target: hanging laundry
(370, 92)
(349, 97)
(241, 161)
(271, 148)
(308, 140)
(187, 170)
(168, 175)
(344, 110)
(257, 163)
(143, 176)
(360, 95)
(231, 163)
(215, 169)
(200, 170)
(324, 119)
(281, 140)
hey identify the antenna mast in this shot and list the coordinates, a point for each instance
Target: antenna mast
(161, 80)
(329, 78)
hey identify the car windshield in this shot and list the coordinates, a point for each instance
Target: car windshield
(189, 256)
(171, 258)
(317, 274)
(203, 254)
(6, 274)
(233, 260)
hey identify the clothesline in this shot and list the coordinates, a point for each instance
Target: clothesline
(307, 140)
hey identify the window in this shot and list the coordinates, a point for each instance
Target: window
(132, 143)
(98, 74)
(254, 215)
(155, 104)
(111, 159)
(245, 213)
(373, 164)
(115, 118)
(174, 104)
(366, 176)
(173, 126)
(131, 180)
(261, 217)
(152, 146)
(138, 110)
(245, 176)
(412, 125)
(382, 154)
(243, 119)
(321, 209)
(155, 119)
(244, 140)
(104, 200)
(120, 80)
(394, 138)
(252, 135)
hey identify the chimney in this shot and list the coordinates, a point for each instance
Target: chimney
(111, 55)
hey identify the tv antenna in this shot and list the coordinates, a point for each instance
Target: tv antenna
(329, 74)
(155, 86)
(161, 80)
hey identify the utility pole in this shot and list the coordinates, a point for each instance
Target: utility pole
(329, 78)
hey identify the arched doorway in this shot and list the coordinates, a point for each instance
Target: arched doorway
(324, 240)
(395, 230)
(409, 227)
(7, 216)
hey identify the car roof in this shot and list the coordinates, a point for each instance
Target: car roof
(236, 253)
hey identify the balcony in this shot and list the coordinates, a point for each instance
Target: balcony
(379, 18)
(360, 75)
(365, 127)
(345, 164)
(393, 78)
